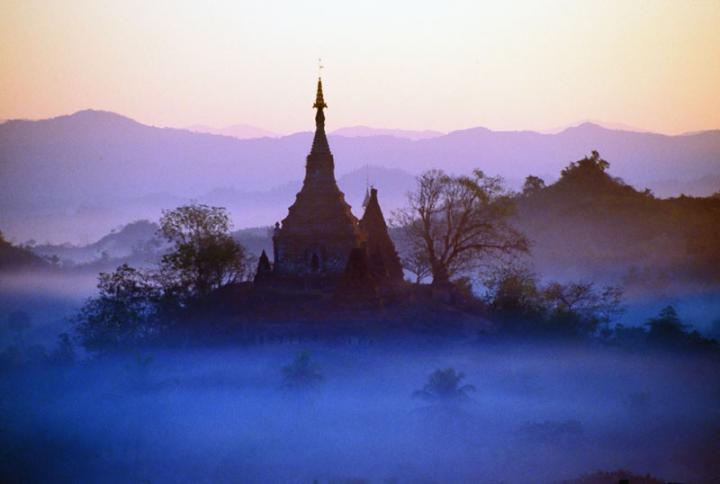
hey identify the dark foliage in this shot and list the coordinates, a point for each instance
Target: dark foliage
(665, 331)
(533, 184)
(125, 313)
(614, 477)
(597, 224)
(519, 303)
(204, 257)
(666, 327)
(444, 386)
(135, 306)
(15, 258)
(668, 330)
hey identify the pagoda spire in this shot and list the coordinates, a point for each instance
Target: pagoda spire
(319, 99)
(320, 143)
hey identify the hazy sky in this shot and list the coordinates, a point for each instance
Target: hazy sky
(419, 65)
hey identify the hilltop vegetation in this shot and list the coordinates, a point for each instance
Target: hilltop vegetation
(590, 223)
(18, 258)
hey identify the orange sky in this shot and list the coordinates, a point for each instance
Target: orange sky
(415, 65)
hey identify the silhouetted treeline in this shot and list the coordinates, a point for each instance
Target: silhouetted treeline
(520, 304)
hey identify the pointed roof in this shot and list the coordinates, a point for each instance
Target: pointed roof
(263, 268)
(373, 216)
(319, 99)
(320, 143)
(366, 200)
(383, 259)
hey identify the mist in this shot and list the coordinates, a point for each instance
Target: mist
(49, 301)
(541, 413)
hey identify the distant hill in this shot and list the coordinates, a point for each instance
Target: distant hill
(603, 124)
(365, 131)
(74, 177)
(240, 131)
(130, 241)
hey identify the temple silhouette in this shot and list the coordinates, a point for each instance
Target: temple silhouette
(321, 245)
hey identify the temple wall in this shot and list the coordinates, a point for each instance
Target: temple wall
(312, 255)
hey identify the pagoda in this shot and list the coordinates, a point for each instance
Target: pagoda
(320, 231)
(321, 243)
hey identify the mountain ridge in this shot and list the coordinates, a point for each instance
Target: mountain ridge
(79, 164)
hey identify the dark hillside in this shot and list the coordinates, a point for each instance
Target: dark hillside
(589, 223)
(136, 243)
(14, 258)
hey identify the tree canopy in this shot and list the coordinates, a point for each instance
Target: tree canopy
(135, 305)
(204, 257)
(457, 221)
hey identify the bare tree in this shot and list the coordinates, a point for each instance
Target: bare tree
(459, 221)
(596, 308)
(417, 263)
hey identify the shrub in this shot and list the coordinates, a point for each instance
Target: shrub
(443, 385)
(518, 302)
(125, 312)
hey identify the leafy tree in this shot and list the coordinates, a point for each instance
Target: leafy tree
(514, 296)
(302, 373)
(533, 184)
(464, 287)
(133, 306)
(124, 313)
(589, 164)
(518, 302)
(443, 385)
(666, 327)
(204, 257)
(458, 221)
(583, 305)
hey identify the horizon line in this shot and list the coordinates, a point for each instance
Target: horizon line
(608, 125)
